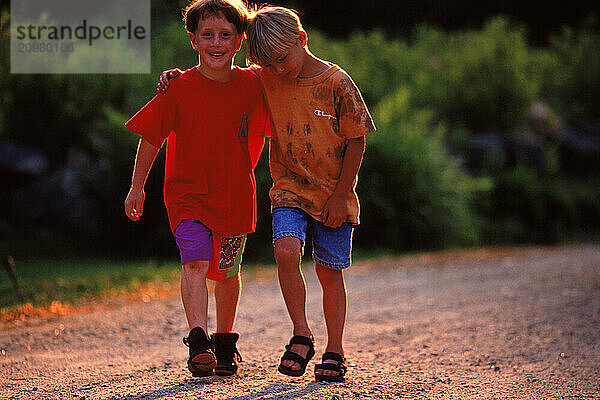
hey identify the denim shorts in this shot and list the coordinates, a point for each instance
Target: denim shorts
(332, 247)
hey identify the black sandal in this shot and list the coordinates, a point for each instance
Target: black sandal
(340, 368)
(303, 361)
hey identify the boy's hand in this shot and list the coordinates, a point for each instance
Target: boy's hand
(335, 211)
(134, 204)
(163, 82)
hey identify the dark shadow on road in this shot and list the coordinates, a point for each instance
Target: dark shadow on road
(187, 386)
(273, 391)
(276, 390)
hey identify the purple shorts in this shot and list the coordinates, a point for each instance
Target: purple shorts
(194, 241)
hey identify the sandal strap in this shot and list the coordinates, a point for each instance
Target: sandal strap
(303, 340)
(292, 356)
(288, 355)
(341, 368)
(338, 358)
(307, 341)
(329, 355)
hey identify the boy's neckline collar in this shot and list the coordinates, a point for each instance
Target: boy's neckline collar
(318, 78)
(312, 66)
(234, 74)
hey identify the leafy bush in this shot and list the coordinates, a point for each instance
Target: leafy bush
(106, 179)
(529, 208)
(569, 75)
(478, 80)
(377, 63)
(413, 194)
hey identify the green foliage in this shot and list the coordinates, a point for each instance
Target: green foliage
(570, 76)
(443, 88)
(479, 80)
(113, 149)
(528, 207)
(414, 195)
(524, 202)
(375, 62)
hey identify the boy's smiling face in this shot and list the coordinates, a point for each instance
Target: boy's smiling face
(216, 41)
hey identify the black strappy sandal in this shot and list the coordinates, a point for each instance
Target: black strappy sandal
(303, 361)
(340, 368)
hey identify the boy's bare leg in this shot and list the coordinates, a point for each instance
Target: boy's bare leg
(291, 281)
(194, 293)
(227, 296)
(334, 310)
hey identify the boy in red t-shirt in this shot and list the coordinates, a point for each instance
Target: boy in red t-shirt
(215, 120)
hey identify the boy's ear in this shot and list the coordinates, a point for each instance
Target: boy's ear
(303, 37)
(192, 40)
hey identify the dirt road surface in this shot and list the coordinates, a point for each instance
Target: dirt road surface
(478, 324)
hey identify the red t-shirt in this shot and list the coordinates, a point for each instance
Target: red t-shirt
(215, 133)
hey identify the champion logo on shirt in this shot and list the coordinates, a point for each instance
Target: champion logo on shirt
(320, 113)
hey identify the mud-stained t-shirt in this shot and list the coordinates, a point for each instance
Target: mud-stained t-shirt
(313, 118)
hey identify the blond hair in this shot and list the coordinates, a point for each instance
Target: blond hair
(234, 11)
(271, 31)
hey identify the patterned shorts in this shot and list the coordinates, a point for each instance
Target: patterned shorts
(196, 242)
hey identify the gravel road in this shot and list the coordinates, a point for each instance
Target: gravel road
(480, 324)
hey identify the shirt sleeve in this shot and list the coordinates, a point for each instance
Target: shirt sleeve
(155, 120)
(350, 108)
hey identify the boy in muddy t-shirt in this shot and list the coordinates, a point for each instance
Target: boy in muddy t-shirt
(316, 149)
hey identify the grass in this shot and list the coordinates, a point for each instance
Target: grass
(45, 281)
(51, 282)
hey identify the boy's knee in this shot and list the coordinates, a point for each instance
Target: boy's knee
(195, 267)
(329, 276)
(288, 250)
(229, 282)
